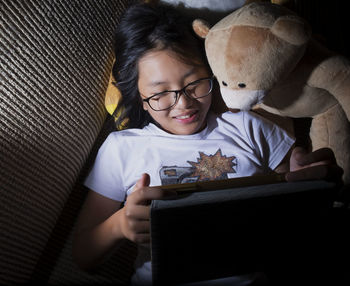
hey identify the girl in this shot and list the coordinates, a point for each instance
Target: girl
(162, 72)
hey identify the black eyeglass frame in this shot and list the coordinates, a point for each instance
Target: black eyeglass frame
(180, 91)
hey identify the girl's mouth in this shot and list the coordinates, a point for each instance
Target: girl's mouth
(187, 118)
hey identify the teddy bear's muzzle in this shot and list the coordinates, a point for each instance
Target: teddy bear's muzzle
(241, 99)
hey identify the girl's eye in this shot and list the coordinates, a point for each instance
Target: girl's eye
(224, 83)
(191, 88)
(156, 98)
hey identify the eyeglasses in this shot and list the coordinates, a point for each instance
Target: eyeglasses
(197, 89)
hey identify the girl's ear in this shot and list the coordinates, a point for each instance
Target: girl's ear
(201, 28)
(145, 106)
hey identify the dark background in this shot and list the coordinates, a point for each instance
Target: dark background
(329, 21)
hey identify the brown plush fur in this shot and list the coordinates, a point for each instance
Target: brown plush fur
(269, 49)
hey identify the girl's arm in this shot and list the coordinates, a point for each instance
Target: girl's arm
(96, 233)
(102, 223)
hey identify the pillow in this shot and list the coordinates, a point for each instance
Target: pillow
(112, 96)
(210, 10)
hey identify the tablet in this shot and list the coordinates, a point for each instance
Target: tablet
(212, 233)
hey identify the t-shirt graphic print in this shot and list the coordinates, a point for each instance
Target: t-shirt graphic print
(207, 167)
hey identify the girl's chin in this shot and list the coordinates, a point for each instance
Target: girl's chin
(189, 129)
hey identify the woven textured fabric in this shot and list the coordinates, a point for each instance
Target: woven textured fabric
(55, 58)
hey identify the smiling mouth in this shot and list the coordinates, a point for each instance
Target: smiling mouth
(187, 115)
(187, 118)
(183, 116)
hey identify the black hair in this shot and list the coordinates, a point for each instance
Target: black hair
(143, 28)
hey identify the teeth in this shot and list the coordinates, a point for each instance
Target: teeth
(183, 117)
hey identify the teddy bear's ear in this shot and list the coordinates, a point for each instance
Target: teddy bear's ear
(201, 28)
(292, 29)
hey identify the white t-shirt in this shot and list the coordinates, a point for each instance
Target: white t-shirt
(232, 145)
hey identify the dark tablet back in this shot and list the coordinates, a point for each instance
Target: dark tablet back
(212, 234)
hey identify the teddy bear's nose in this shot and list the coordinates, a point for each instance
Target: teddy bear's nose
(242, 85)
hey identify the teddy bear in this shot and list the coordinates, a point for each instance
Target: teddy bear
(263, 56)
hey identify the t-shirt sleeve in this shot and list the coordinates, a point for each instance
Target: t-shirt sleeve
(105, 176)
(271, 141)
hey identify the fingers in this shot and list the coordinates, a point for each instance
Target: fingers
(143, 194)
(318, 172)
(139, 227)
(295, 161)
(317, 165)
(146, 195)
(135, 223)
(143, 181)
(320, 156)
(136, 211)
(140, 238)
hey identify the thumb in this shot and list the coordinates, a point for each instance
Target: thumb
(297, 158)
(144, 181)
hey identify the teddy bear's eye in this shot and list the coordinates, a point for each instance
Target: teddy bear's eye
(224, 83)
(242, 85)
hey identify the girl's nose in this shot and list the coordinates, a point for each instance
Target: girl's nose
(184, 101)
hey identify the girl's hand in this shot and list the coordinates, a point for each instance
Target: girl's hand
(135, 223)
(317, 165)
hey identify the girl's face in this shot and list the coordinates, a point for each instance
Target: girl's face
(161, 71)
